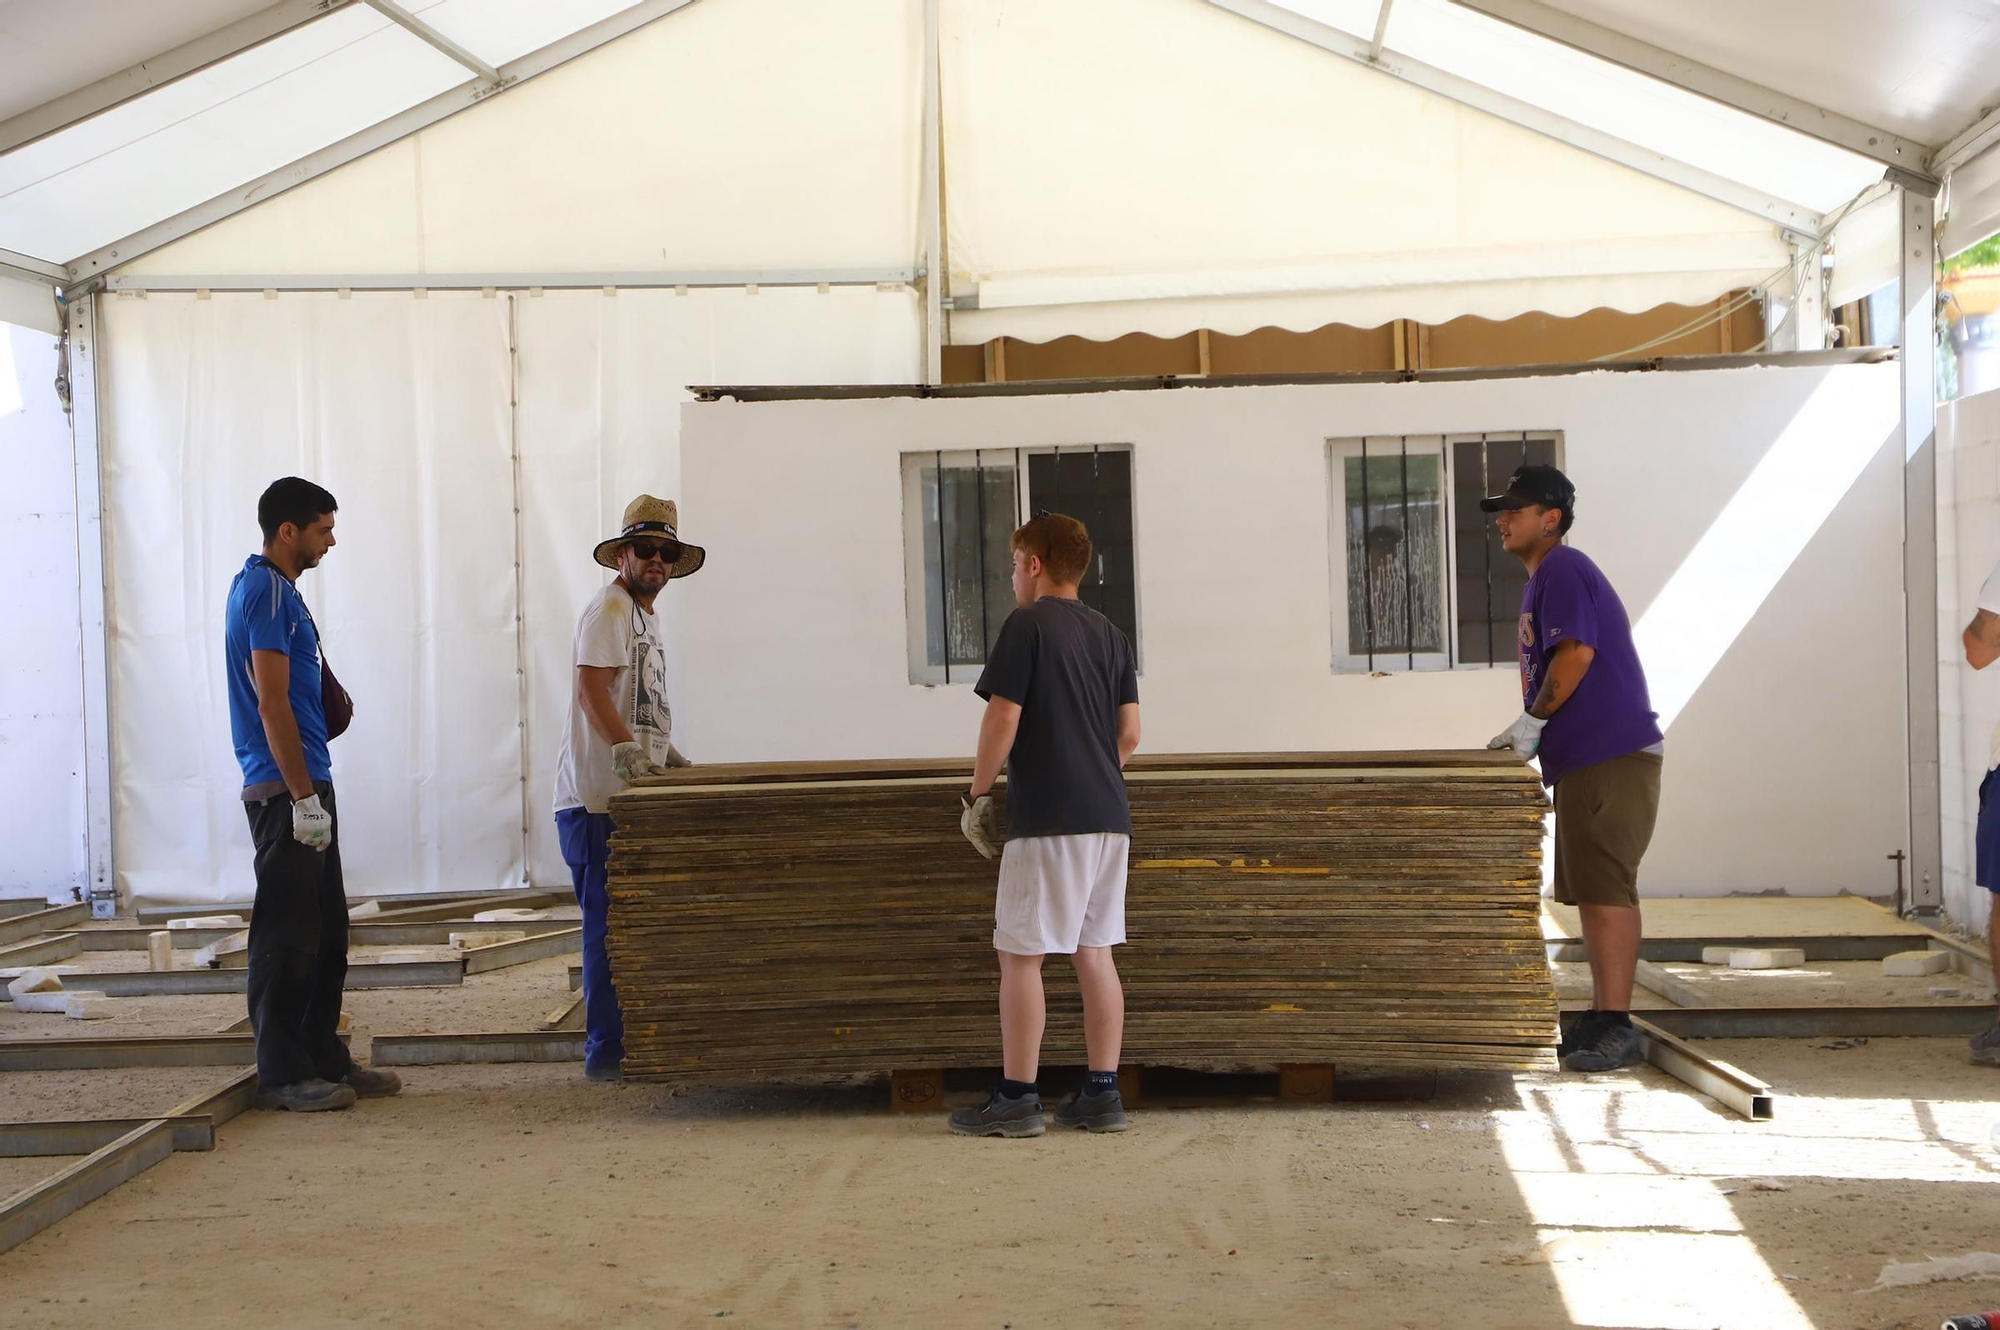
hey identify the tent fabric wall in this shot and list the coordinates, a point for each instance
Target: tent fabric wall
(1180, 167)
(400, 406)
(41, 682)
(602, 380)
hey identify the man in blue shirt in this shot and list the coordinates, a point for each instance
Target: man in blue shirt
(277, 718)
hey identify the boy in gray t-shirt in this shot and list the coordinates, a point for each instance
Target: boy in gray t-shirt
(1062, 711)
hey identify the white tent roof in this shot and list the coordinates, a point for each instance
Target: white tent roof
(1124, 165)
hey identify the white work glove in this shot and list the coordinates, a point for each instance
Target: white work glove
(979, 821)
(1524, 736)
(676, 758)
(312, 826)
(629, 760)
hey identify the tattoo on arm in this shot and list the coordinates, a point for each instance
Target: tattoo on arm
(1551, 696)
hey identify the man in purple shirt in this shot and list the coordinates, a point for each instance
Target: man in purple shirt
(1588, 716)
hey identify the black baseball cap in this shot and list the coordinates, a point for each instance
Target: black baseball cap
(1532, 486)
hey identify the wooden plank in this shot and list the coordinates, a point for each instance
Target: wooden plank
(1377, 910)
(916, 1090)
(35, 1208)
(20, 927)
(465, 909)
(1681, 992)
(536, 947)
(569, 1016)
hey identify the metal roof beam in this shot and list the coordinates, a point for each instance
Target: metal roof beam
(1906, 160)
(1792, 216)
(430, 36)
(1968, 143)
(381, 134)
(27, 265)
(75, 107)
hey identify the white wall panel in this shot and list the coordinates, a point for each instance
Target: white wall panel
(800, 653)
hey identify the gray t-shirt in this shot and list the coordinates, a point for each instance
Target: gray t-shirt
(1070, 669)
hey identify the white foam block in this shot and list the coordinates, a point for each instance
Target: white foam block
(1774, 958)
(16, 971)
(210, 956)
(402, 957)
(363, 910)
(1915, 964)
(42, 1004)
(160, 950)
(1716, 955)
(208, 921)
(485, 938)
(90, 1007)
(508, 916)
(33, 980)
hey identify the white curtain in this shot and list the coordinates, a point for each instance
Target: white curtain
(400, 406)
(602, 380)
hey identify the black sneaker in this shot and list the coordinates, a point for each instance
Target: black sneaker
(1104, 1111)
(1578, 1032)
(1607, 1047)
(1000, 1116)
(368, 1083)
(313, 1096)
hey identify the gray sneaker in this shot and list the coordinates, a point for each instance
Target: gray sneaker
(307, 1097)
(368, 1083)
(1093, 1112)
(1606, 1047)
(1985, 1048)
(1000, 1116)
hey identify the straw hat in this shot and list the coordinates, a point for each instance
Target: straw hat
(658, 519)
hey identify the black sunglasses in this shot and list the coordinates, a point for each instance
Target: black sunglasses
(653, 549)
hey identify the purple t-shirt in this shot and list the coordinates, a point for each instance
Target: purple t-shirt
(1569, 600)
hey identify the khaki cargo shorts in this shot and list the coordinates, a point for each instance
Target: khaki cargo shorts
(1604, 822)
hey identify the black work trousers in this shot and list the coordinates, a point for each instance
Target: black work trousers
(298, 948)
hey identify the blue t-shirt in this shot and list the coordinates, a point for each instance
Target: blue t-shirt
(1611, 715)
(266, 613)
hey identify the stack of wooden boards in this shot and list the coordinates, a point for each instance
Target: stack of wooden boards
(803, 921)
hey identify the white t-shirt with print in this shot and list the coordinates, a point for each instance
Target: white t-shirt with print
(614, 633)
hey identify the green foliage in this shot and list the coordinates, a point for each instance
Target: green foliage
(1985, 254)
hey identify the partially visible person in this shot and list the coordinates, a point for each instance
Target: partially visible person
(1982, 648)
(277, 718)
(1588, 716)
(619, 728)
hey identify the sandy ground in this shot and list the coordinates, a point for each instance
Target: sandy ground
(524, 1195)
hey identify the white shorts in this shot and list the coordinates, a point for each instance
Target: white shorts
(1058, 893)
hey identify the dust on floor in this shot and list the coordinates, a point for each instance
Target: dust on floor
(521, 1194)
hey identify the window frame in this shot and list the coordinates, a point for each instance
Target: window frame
(1441, 446)
(916, 598)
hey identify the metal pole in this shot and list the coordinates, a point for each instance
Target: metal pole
(1409, 597)
(94, 606)
(930, 223)
(1920, 548)
(520, 575)
(1486, 544)
(979, 476)
(1367, 569)
(944, 573)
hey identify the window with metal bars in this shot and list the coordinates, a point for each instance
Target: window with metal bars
(1420, 581)
(960, 510)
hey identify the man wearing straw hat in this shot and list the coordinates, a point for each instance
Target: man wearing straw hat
(619, 728)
